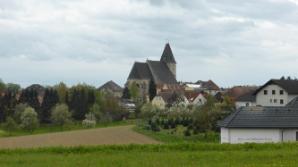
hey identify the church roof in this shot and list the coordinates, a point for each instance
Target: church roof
(111, 85)
(140, 71)
(161, 73)
(167, 55)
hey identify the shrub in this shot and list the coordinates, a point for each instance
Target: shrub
(61, 115)
(187, 132)
(10, 125)
(89, 121)
(29, 120)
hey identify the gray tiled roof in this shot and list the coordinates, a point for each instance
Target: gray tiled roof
(140, 71)
(291, 86)
(161, 73)
(262, 117)
(247, 97)
(167, 55)
(111, 85)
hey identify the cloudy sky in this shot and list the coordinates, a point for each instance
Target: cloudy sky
(229, 41)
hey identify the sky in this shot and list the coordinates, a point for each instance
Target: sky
(231, 42)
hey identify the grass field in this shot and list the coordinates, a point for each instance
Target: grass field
(174, 155)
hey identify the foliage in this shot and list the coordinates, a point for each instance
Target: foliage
(19, 109)
(126, 93)
(134, 91)
(62, 91)
(152, 90)
(89, 121)
(96, 110)
(10, 125)
(50, 99)
(29, 120)
(61, 115)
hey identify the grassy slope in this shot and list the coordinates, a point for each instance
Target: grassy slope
(156, 155)
(53, 128)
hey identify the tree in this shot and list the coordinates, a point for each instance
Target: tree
(152, 90)
(2, 86)
(61, 115)
(126, 93)
(96, 110)
(19, 109)
(9, 125)
(49, 101)
(29, 119)
(134, 91)
(14, 88)
(62, 91)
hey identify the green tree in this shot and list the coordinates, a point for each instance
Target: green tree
(19, 109)
(61, 115)
(134, 91)
(62, 91)
(2, 86)
(152, 90)
(10, 125)
(29, 120)
(96, 110)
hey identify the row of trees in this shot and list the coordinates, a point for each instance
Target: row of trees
(80, 101)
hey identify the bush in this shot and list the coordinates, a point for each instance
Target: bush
(10, 125)
(89, 121)
(61, 115)
(29, 120)
(187, 132)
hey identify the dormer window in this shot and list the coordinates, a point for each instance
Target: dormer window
(265, 92)
(273, 92)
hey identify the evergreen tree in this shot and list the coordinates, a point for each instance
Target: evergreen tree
(152, 90)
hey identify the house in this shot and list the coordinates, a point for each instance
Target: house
(261, 125)
(112, 88)
(168, 99)
(196, 98)
(207, 86)
(277, 92)
(158, 74)
(246, 100)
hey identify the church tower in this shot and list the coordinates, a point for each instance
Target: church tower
(168, 58)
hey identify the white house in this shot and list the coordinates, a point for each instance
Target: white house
(277, 92)
(166, 99)
(196, 98)
(260, 125)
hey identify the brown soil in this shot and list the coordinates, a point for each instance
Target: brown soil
(100, 136)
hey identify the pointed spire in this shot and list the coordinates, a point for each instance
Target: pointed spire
(167, 55)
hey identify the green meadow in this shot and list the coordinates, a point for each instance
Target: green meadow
(174, 155)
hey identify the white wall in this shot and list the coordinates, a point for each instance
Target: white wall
(268, 100)
(244, 104)
(289, 135)
(250, 135)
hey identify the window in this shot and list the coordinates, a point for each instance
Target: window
(281, 101)
(270, 100)
(247, 104)
(273, 92)
(275, 100)
(265, 92)
(281, 92)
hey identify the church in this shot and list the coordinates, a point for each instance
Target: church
(161, 73)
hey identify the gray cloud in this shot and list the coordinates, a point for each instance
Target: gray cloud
(227, 41)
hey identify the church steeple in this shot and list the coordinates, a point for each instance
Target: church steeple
(168, 58)
(167, 55)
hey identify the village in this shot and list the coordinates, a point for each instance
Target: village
(266, 113)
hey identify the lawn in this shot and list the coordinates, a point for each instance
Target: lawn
(174, 155)
(54, 128)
